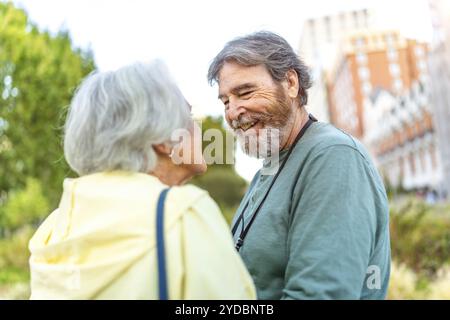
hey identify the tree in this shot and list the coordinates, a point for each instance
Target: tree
(38, 76)
(25, 206)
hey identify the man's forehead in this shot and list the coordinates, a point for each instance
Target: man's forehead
(232, 68)
(234, 76)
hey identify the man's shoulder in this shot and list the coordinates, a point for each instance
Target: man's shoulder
(324, 136)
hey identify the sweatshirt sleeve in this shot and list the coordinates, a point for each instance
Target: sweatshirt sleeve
(333, 227)
(212, 267)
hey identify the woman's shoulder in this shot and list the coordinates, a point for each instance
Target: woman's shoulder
(136, 193)
(190, 193)
(190, 198)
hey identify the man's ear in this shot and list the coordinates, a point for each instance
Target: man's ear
(162, 149)
(292, 83)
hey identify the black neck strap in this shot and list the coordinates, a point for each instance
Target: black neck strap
(244, 231)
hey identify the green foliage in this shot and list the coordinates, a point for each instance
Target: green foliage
(14, 253)
(38, 75)
(420, 236)
(404, 283)
(229, 213)
(227, 151)
(14, 268)
(26, 206)
(16, 291)
(14, 275)
(224, 186)
(394, 191)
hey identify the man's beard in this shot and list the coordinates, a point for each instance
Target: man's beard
(263, 143)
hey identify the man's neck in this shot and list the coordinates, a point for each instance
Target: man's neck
(300, 119)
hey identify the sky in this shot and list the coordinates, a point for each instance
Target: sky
(188, 34)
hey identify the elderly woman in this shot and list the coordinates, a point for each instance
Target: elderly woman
(101, 243)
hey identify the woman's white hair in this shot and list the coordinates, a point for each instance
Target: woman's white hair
(116, 117)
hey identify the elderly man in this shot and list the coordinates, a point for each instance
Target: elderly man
(319, 227)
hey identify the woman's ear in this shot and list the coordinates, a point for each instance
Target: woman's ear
(162, 149)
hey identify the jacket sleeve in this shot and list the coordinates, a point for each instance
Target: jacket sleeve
(332, 228)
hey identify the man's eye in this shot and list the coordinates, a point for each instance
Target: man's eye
(246, 94)
(225, 103)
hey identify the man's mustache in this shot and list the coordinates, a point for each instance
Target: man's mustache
(244, 120)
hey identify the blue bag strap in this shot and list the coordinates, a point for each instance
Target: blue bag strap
(162, 275)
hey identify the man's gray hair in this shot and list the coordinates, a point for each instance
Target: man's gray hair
(117, 116)
(266, 48)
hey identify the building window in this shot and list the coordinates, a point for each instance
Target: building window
(389, 38)
(312, 32)
(421, 65)
(421, 87)
(398, 84)
(424, 77)
(328, 29)
(366, 18)
(355, 19)
(412, 163)
(378, 40)
(360, 42)
(392, 55)
(361, 58)
(422, 160)
(433, 157)
(394, 69)
(363, 73)
(402, 166)
(312, 28)
(367, 88)
(419, 51)
(343, 22)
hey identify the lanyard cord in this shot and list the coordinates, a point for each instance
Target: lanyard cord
(244, 231)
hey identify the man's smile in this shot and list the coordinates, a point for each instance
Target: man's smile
(247, 125)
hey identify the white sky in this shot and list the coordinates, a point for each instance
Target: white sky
(188, 34)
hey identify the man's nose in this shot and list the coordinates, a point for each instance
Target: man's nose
(234, 109)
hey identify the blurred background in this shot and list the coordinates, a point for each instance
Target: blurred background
(381, 72)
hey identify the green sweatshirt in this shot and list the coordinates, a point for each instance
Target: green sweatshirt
(323, 231)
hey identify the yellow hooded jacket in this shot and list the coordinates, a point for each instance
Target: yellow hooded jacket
(101, 243)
